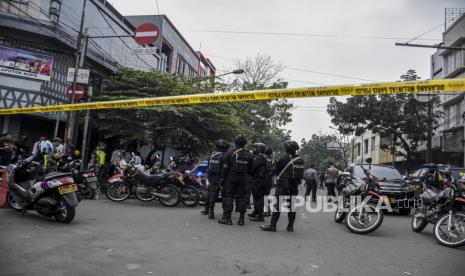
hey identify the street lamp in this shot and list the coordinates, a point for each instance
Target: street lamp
(235, 72)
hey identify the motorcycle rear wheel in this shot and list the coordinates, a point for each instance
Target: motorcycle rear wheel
(352, 218)
(189, 196)
(173, 195)
(66, 214)
(458, 229)
(118, 191)
(418, 223)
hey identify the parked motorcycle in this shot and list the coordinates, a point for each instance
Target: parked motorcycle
(134, 180)
(189, 195)
(364, 217)
(86, 181)
(446, 210)
(53, 195)
(197, 183)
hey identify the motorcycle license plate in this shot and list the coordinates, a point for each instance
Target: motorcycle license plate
(392, 200)
(67, 189)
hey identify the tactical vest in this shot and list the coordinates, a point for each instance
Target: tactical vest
(214, 164)
(240, 161)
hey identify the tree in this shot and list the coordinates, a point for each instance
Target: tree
(261, 121)
(316, 151)
(400, 116)
(190, 129)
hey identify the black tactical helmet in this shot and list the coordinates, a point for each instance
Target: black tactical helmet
(240, 140)
(222, 145)
(259, 147)
(291, 146)
(268, 150)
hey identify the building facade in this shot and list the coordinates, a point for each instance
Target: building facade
(448, 141)
(38, 41)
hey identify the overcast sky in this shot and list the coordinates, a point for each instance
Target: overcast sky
(352, 56)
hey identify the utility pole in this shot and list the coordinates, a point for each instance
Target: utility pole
(86, 128)
(429, 151)
(79, 62)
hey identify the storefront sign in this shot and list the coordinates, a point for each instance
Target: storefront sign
(144, 51)
(25, 64)
(82, 75)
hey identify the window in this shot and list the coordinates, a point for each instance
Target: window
(166, 54)
(373, 143)
(457, 114)
(454, 60)
(447, 123)
(182, 66)
(357, 149)
(365, 146)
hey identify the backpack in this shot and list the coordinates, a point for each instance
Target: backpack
(297, 170)
(240, 161)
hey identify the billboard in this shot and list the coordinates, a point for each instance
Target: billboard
(25, 64)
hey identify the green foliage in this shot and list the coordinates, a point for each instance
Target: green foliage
(315, 151)
(191, 129)
(401, 116)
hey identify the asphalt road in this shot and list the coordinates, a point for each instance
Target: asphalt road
(133, 238)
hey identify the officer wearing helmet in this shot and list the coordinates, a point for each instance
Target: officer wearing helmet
(258, 174)
(237, 164)
(289, 173)
(215, 166)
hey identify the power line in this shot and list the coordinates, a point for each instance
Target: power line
(158, 10)
(307, 70)
(430, 30)
(124, 42)
(307, 35)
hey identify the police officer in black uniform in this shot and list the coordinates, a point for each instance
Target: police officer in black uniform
(215, 166)
(289, 172)
(237, 164)
(258, 174)
(270, 172)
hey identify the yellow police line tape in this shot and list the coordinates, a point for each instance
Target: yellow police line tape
(445, 85)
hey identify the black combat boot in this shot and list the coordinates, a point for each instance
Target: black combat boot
(290, 225)
(205, 210)
(241, 219)
(253, 214)
(258, 217)
(211, 213)
(226, 219)
(269, 228)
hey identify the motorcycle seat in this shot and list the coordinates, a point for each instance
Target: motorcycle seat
(152, 178)
(53, 175)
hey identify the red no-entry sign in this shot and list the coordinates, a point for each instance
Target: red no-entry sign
(146, 33)
(79, 92)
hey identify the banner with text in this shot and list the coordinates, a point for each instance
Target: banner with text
(25, 64)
